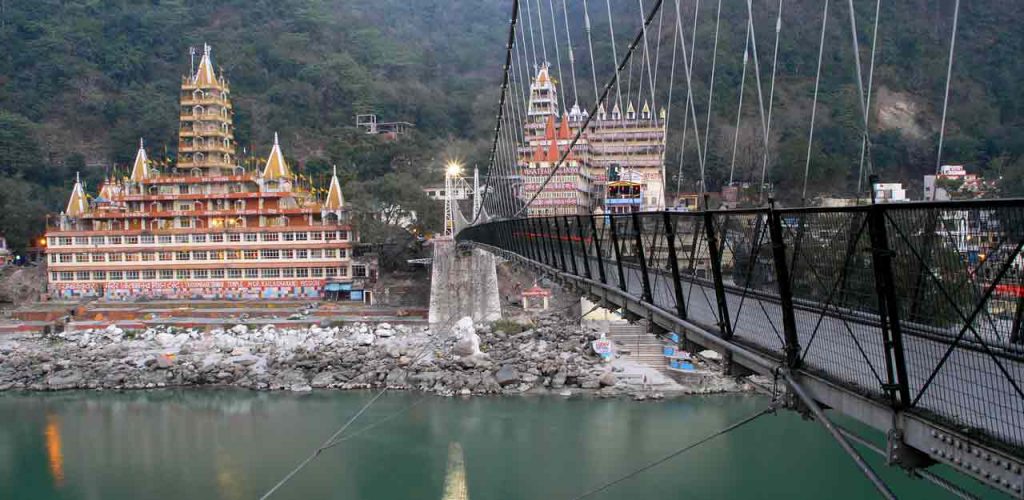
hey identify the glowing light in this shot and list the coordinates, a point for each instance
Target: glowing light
(453, 169)
(54, 453)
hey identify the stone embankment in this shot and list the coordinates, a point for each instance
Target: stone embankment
(464, 359)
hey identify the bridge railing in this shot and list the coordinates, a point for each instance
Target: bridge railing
(919, 305)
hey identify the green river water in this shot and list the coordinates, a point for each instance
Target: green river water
(235, 444)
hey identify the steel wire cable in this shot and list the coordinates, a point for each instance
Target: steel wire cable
(590, 45)
(689, 96)
(757, 79)
(860, 88)
(615, 55)
(771, 96)
(675, 453)
(572, 52)
(601, 98)
(689, 92)
(533, 39)
(558, 53)
(334, 439)
(711, 85)
(814, 101)
(871, 80)
(504, 91)
(739, 109)
(949, 77)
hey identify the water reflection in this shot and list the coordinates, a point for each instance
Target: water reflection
(54, 452)
(455, 487)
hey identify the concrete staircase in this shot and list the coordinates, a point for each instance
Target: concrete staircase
(636, 342)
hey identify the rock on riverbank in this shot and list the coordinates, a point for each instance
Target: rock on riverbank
(464, 359)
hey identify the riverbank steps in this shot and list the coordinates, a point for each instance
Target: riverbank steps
(551, 354)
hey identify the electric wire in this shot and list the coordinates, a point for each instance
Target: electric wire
(675, 453)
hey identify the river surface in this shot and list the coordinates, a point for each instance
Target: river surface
(236, 444)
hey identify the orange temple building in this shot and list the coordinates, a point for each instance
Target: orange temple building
(206, 227)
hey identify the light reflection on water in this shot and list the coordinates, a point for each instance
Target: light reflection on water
(233, 444)
(54, 453)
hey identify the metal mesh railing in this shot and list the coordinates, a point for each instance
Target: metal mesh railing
(918, 305)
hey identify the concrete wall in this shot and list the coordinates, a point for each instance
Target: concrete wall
(463, 284)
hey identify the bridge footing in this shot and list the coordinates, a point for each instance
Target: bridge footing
(463, 283)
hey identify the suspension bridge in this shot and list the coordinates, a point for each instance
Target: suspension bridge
(906, 317)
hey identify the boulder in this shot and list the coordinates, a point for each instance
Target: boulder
(467, 345)
(322, 379)
(607, 379)
(240, 329)
(506, 375)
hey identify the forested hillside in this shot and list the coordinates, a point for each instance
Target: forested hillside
(82, 80)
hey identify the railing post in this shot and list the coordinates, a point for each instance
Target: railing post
(583, 246)
(618, 253)
(1015, 334)
(597, 248)
(645, 279)
(714, 253)
(677, 283)
(536, 242)
(888, 307)
(792, 348)
(549, 252)
(561, 249)
(568, 245)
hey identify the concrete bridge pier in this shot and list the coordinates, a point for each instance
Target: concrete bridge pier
(463, 283)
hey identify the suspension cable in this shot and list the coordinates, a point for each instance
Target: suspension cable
(814, 102)
(739, 110)
(590, 44)
(689, 92)
(871, 79)
(711, 91)
(558, 53)
(676, 453)
(615, 54)
(533, 39)
(601, 98)
(771, 95)
(949, 77)
(540, 23)
(860, 88)
(757, 79)
(504, 90)
(689, 95)
(572, 53)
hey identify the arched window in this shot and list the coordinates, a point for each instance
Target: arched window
(282, 221)
(199, 158)
(239, 170)
(195, 172)
(197, 110)
(198, 94)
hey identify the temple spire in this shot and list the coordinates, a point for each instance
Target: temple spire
(335, 200)
(204, 73)
(140, 169)
(77, 204)
(276, 167)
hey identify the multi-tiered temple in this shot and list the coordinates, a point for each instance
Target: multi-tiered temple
(617, 165)
(205, 227)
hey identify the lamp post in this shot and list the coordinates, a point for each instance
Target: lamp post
(451, 175)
